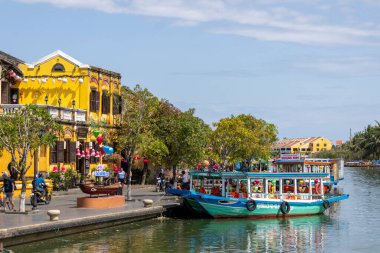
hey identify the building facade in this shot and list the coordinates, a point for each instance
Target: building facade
(302, 145)
(81, 97)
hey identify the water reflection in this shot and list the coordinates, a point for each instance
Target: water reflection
(168, 235)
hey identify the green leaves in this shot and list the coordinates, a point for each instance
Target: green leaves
(24, 131)
(242, 137)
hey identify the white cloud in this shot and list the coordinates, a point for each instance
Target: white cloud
(297, 21)
(345, 66)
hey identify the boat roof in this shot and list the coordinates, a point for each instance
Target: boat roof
(257, 175)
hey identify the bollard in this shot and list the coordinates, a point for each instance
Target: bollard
(148, 202)
(54, 214)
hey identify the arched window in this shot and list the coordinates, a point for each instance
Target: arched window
(58, 67)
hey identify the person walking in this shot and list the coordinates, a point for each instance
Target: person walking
(121, 179)
(9, 187)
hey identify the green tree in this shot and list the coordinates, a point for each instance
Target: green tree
(242, 137)
(184, 135)
(138, 107)
(22, 133)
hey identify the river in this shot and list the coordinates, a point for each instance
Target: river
(350, 226)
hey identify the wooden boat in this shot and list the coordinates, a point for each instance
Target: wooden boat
(258, 195)
(99, 189)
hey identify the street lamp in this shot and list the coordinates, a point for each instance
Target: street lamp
(46, 99)
(59, 102)
(73, 103)
(36, 154)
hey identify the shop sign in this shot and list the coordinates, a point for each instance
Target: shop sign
(102, 174)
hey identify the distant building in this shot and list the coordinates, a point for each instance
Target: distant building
(302, 145)
(339, 142)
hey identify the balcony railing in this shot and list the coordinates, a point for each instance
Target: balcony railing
(63, 114)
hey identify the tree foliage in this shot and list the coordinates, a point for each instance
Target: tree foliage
(138, 108)
(242, 137)
(23, 132)
(184, 135)
(365, 145)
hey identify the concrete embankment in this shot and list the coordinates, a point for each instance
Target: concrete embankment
(18, 229)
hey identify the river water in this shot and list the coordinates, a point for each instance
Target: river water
(352, 225)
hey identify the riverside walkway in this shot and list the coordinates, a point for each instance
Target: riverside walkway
(20, 228)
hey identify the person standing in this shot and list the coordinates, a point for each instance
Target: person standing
(9, 187)
(121, 179)
(185, 180)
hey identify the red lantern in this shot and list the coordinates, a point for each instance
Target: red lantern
(55, 169)
(83, 154)
(92, 152)
(97, 154)
(199, 166)
(146, 160)
(99, 139)
(63, 169)
(78, 152)
(216, 166)
(88, 154)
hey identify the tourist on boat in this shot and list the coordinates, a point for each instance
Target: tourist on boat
(317, 187)
(287, 186)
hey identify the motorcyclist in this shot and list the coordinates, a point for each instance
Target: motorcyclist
(40, 184)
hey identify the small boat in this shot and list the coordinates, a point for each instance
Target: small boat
(259, 195)
(99, 189)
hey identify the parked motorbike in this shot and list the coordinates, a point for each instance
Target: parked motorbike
(41, 197)
(160, 185)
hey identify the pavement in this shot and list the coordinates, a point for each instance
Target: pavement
(15, 224)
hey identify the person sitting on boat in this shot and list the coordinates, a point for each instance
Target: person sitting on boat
(270, 187)
(287, 186)
(317, 187)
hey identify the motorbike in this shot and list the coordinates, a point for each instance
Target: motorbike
(160, 185)
(40, 197)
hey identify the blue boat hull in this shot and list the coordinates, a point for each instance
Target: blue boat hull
(218, 207)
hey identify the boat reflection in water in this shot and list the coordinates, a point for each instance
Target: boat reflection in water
(299, 234)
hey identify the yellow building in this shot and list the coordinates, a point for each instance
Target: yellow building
(79, 96)
(302, 145)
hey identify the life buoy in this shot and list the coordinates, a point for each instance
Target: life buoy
(285, 207)
(251, 205)
(326, 204)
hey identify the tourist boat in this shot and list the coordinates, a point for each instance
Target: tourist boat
(293, 163)
(99, 189)
(258, 195)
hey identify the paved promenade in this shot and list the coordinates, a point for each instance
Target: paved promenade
(18, 225)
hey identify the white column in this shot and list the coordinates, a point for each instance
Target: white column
(249, 187)
(295, 187)
(281, 187)
(224, 187)
(266, 187)
(310, 189)
(322, 186)
(191, 181)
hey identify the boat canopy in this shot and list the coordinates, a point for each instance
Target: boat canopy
(257, 175)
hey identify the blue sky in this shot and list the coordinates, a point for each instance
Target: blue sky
(309, 66)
